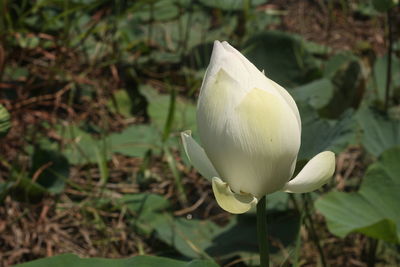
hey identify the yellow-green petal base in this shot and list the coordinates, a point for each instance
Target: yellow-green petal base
(230, 201)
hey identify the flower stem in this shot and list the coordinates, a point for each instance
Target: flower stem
(262, 232)
(389, 58)
(306, 202)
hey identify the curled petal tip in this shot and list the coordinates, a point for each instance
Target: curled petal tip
(230, 201)
(315, 174)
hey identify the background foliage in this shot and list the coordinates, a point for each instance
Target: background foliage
(94, 93)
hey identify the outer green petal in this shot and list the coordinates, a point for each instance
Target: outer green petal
(315, 174)
(229, 201)
(197, 156)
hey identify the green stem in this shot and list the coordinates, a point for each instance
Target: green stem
(389, 59)
(178, 179)
(170, 116)
(306, 200)
(262, 232)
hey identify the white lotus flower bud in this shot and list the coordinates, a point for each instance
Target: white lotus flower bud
(250, 130)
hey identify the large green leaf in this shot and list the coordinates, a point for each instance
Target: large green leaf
(380, 76)
(129, 35)
(341, 87)
(230, 5)
(48, 174)
(320, 134)
(240, 237)
(121, 103)
(4, 121)
(24, 189)
(161, 10)
(185, 111)
(379, 131)
(283, 57)
(67, 260)
(316, 48)
(338, 62)
(175, 38)
(196, 238)
(383, 5)
(317, 93)
(147, 210)
(366, 9)
(347, 77)
(81, 147)
(374, 209)
(51, 168)
(135, 140)
(190, 237)
(203, 238)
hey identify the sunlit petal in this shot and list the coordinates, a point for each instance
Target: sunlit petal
(252, 141)
(315, 174)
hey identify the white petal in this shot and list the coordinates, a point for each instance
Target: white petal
(231, 64)
(252, 140)
(197, 156)
(315, 174)
(249, 129)
(255, 77)
(229, 201)
(289, 100)
(259, 80)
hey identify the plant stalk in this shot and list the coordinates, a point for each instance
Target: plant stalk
(262, 232)
(311, 228)
(389, 58)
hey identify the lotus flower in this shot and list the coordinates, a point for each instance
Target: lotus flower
(250, 128)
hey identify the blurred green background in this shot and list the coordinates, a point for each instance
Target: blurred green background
(94, 94)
